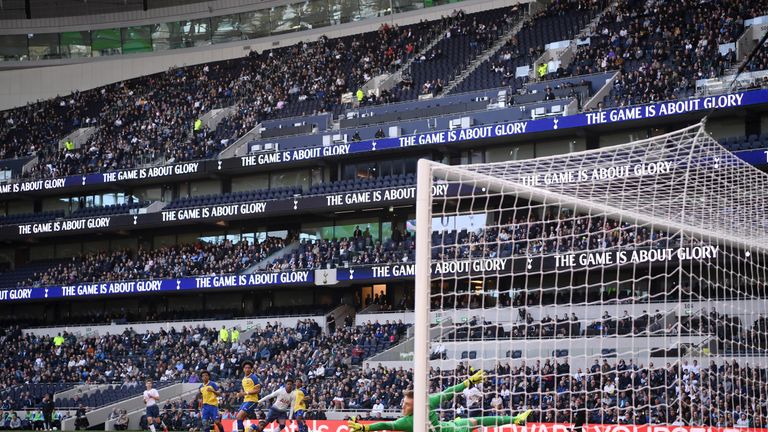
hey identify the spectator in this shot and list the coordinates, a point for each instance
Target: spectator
(200, 259)
(47, 410)
(115, 414)
(663, 64)
(15, 423)
(497, 404)
(474, 400)
(122, 421)
(81, 420)
(378, 409)
(542, 71)
(439, 352)
(743, 421)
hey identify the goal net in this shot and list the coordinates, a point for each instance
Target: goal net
(623, 285)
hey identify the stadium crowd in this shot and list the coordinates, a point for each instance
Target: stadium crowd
(179, 356)
(662, 48)
(226, 257)
(618, 391)
(197, 259)
(360, 249)
(33, 420)
(158, 117)
(465, 37)
(732, 333)
(531, 234)
(27, 130)
(528, 235)
(522, 50)
(124, 316)
(610, 391)
(145, 119)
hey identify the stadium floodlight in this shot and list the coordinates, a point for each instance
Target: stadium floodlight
(651, 251)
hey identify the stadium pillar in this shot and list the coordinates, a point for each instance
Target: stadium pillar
(592, 141)
(752, 124)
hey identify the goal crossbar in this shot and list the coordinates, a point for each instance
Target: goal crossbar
(454, 173)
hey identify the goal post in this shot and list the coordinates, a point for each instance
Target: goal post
(423, 283)
(584, 269)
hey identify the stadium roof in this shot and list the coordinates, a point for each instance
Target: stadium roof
(14, 9)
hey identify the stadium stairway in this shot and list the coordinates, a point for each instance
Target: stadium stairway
(338, 315)
(79, 137)
(600, 95)
(134, 406)
(261, 265)
(566, 55)
(487, 54)
(371, 308)
(402, 353)
(212, 118)
(240, 146)
(386, 83)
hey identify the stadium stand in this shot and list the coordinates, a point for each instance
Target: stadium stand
(167, 262)
(243, 196)
(560, 21)
(275, 193)
(611, 391)
(294, 97)
(31, 217)
(124, 360)
(526, 235)
(665, 63)
(363, 184)
(729, 329)
(759, 63)
(745, 143)
(464, 39)
(205, 258)
(517, 237)
(107, 210)
(353, 251)
(143, 121)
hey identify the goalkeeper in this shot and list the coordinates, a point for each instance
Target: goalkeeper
(405, 423)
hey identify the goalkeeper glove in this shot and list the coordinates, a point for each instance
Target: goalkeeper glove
(354, 426)
(520, 418)
(476, 378)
